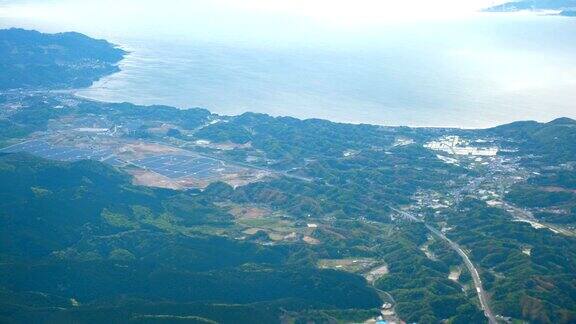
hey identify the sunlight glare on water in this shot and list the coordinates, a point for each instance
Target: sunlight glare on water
(418, 63)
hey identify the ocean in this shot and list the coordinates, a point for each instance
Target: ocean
(482, 71)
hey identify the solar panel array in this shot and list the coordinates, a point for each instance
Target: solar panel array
(172, 166)
(178, 166)
(50, 151)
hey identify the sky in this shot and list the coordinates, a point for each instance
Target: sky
(438, 40)
(334, 11)
(219, 18)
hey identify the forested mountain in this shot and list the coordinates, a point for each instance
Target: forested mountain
(81, 233)
(551, 142)
(53, 61)
(115, 212)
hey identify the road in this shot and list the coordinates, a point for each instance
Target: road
(526, 216)
(471, 268)
(473, 272)
(186, 147)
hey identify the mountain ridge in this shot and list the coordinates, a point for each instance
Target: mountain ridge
(30, 59)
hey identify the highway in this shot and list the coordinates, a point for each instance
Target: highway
(526, 216)
(473, 272)
(471, 268)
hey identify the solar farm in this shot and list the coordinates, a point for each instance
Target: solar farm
(155, 165)
(180, 166)
(50, 151)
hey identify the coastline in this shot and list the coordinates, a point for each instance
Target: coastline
(229, 81)
(130, 52)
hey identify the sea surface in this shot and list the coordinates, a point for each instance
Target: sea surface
(478, 72)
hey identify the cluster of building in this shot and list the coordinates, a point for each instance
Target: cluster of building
(455, 145)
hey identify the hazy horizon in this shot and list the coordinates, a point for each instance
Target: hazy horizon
(364, 62)
(121, 203)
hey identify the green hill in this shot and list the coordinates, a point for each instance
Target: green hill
(551, 142)
(81, 233)
(29, 59)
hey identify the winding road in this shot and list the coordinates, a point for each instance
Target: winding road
(473, 272)
(471, 268)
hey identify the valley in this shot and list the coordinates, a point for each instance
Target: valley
(190, 215)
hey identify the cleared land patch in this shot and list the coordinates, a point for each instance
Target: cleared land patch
(355, 265)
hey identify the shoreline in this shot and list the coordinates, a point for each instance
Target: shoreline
(378, 111)
(322, 119)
